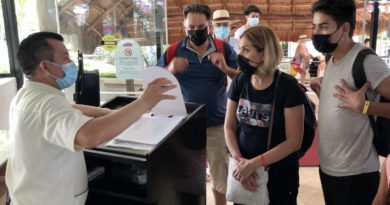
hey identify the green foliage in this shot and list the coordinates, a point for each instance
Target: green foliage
(107, 75)
(4, 69)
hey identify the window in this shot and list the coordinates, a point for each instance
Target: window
(85, 24)
(4, 61)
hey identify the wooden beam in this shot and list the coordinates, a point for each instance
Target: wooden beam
(281, 17)
(66, 6)
(292, 7)
(179, 4)
(108, 11)
(268, 8)
(224, 4)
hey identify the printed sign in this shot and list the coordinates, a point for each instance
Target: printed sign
(129, 61)
(109, 42)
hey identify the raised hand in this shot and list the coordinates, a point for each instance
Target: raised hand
(155, 90)
(218, 59)
(350, 99)
(178, 65)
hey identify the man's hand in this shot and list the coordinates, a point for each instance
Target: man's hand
(178, 65)
(350, 99)
(218, 59)
(155, 90)
(315, 85)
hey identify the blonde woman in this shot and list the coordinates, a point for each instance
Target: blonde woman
(248, 114)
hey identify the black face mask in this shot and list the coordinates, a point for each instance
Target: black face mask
(322, 44)
(245, 67)
(198, 37)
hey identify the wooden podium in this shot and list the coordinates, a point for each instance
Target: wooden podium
(173, 172)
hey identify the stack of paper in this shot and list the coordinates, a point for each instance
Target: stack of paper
(151, 128)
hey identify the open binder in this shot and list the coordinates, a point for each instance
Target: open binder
(151, 128)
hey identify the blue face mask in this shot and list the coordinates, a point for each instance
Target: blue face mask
(70, 69)
(222, 32)
(253, 21)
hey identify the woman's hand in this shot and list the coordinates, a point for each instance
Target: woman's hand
(250, 183)
(350, 99)
(244, 169)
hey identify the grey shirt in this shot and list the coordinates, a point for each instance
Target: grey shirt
(345, 136)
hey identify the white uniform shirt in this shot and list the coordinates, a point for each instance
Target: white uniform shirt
(239, 32)
(345, 137)
(45, 166)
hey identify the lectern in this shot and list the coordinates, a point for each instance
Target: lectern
(171, 173)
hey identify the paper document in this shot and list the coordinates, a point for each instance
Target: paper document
(151, 128)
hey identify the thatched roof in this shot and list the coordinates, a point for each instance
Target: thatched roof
(288, 18)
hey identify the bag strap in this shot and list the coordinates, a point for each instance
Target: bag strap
(171, 52)
(359, 78)
(219, 46)
(276, 77)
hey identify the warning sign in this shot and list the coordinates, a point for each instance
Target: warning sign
(109, 42)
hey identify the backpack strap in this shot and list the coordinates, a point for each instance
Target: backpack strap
(359, 78)
(220, 45)
(358, 74)
(271, 124)
(171, 52)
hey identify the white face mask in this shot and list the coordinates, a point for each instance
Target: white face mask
(222, 32)
(253, 21)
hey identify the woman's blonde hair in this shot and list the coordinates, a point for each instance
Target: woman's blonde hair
(264, 39)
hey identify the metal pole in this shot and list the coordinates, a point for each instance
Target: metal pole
(374, 25)
(364, 20)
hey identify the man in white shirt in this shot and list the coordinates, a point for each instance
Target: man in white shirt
(252, 16)
(46, 163)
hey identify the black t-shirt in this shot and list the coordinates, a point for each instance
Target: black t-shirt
(254, 112)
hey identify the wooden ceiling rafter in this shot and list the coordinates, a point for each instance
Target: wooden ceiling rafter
(89, 28)
(66, 6)
(100, 18)
(179, 4)
(268, 7)
(292, 7)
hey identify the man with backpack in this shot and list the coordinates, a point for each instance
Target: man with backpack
(201, 63)
(349, 162)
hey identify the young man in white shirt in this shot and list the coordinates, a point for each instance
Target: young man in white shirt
(252, 16)
(349, 163)
(46, 163)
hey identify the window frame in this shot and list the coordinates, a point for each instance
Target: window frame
(12, 39)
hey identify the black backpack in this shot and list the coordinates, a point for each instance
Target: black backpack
(380, 126)
(310, 120)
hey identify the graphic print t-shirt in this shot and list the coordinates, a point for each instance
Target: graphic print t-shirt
(254, 113)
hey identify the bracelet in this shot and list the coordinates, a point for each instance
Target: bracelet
(264, 162)
(365, 108)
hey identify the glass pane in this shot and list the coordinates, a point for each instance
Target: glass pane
(86, 24)
(4, 61)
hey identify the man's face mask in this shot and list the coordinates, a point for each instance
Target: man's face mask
(253, 21)
(322, 44)
(245, 67)
(198, 37)
(70, 70)
(222, 32)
